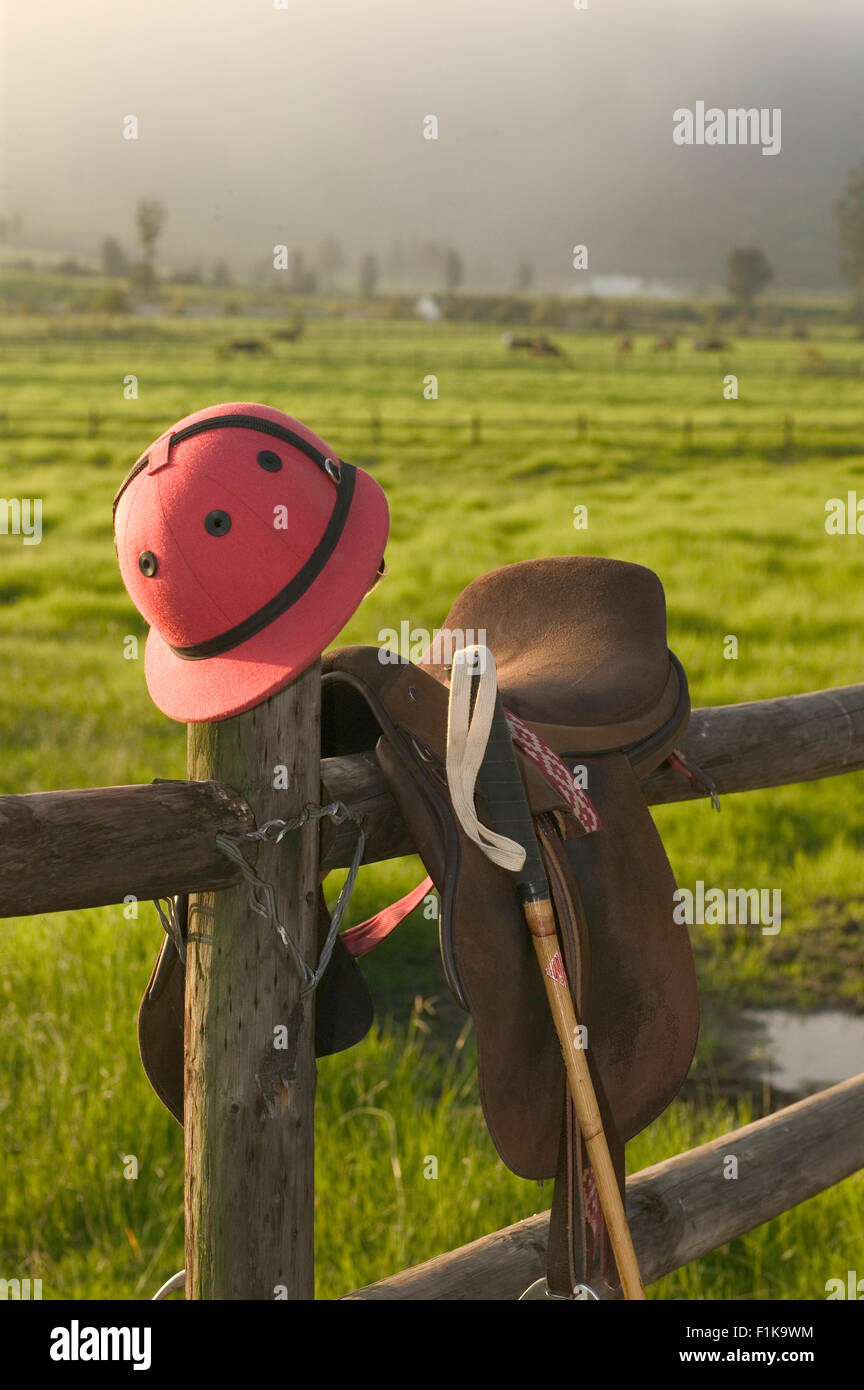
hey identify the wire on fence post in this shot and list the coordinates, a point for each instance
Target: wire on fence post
(262, 898)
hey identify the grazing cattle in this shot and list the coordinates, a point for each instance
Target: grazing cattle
(625, 345)
(250, 345)
(713, 344)
(665, 344)
(541, 347)
(538, 347)
(288, 335)
(812, 360)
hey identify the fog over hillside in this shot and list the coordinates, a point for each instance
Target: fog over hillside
(260, 125)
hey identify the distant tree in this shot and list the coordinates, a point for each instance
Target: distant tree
(114, 260)
(149, 221)
(301, 277)
(397, 261)
(191, 275)
(10, 227)
(432, 254)
(849, 217)
(263, 273)
(524, 277)
(221, 276)
(747, 274)
(110, 300)
(330, 259)
(452, 269)
(368, 275)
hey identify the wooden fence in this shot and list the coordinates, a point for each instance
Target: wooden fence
(248, 1130)
(733, 430)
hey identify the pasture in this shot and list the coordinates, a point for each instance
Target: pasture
(724, 498)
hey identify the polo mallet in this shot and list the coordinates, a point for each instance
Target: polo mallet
(500, 783)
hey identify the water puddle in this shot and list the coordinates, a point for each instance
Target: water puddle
(802, 1053)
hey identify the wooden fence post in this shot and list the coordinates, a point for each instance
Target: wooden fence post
(248, 1102)
(789, 433)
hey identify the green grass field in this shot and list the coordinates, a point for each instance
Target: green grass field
(729, 509)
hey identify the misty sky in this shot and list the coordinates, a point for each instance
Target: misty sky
(260, 125)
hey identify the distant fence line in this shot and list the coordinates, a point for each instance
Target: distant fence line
(785, 432)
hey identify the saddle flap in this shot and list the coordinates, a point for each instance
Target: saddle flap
(613, 894)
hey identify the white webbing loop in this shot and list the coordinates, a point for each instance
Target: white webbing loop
(467, 736)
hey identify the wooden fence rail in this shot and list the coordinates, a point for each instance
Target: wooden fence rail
(784, 431)
(677, 1210)
(76, 849)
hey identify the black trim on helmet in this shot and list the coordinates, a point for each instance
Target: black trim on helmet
(247, 422)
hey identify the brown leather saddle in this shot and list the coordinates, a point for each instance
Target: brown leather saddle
(581, 654)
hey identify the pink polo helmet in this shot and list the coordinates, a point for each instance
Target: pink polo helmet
(246, 544)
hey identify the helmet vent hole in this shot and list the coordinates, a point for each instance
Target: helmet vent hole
(217, 523)
(270, 462)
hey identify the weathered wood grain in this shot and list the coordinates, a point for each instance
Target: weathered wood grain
(248, 1103)
(70, 849)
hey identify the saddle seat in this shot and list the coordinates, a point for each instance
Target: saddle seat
(580, 647)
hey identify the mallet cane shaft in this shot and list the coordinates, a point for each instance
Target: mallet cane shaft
(541, 923)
